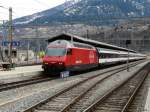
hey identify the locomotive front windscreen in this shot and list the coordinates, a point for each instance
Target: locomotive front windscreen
(56, 51)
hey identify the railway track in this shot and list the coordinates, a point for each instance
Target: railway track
(140, 102)
(12, 85)
(64, 100)
(119, 98)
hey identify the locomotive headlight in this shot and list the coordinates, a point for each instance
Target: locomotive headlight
(60, 63)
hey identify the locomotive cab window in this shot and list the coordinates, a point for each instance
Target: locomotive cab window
(56, 51)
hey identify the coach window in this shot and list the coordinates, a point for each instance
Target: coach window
(101, 55)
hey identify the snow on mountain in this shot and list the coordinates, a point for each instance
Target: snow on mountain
(88, 11)
(28, 20)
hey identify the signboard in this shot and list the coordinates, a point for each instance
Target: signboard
(13, 43)
(64, 74)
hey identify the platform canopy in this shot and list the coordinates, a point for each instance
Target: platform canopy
(70, 37)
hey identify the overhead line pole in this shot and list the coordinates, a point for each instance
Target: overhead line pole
(10, 36)
(1, 52)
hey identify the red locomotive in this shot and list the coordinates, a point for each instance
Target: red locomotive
(63, 55)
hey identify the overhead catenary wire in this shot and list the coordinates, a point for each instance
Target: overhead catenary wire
(41, 3)
(4, 7)
(3, 12)
(7, 9)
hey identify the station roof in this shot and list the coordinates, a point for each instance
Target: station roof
(67, 36)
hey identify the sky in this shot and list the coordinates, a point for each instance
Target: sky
(26, 7)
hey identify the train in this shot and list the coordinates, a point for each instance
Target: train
(77, 54)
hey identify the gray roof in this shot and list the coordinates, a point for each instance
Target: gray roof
(67, 36)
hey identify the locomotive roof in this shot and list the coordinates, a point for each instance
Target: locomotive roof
(67, 36)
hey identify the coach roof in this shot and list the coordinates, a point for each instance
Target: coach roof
(67, 36)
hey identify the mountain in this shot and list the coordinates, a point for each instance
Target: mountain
(88, 12)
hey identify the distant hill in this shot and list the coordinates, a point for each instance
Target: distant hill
(88, 12)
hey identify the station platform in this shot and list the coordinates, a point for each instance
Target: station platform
(21, 71)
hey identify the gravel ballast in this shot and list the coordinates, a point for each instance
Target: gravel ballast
(21, 98)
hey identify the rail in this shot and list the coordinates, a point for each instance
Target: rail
(75, 94)
(12, 85)
(115, 94)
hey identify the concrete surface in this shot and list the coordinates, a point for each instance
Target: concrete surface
(21, 71)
